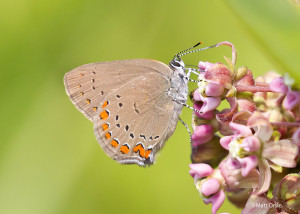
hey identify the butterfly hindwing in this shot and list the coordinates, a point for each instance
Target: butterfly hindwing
(133, 122)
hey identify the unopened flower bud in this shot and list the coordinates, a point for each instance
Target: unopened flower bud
(210, 153)
(202, 134)
(296, 137)
(287, 193)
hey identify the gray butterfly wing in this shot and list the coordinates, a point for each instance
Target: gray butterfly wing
(89, 84)
(131, 133)
(136, 119)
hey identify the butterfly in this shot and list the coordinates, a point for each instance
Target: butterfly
(134, 104)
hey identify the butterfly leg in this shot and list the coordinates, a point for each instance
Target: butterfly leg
(192, 70)
(190, 107)
(187, 128)
(191, 80)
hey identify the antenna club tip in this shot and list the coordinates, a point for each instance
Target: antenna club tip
(199, 43)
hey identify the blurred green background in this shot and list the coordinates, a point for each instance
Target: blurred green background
(50, 161)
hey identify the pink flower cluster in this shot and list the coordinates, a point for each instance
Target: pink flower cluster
(246, 138)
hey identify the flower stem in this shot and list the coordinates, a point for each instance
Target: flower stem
(262, 84)
(288, 124)
(252, 89)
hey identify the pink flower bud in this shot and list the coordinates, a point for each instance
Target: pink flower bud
(202, 134)
(278, 85)
(210, 186)
(200, 170)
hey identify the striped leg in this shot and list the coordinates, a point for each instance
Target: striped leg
(187, 128)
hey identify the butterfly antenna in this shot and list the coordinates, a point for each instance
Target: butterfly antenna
(179, 54)
(182, 53)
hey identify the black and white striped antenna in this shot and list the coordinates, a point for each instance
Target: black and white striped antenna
(186, 51)
(182, 53)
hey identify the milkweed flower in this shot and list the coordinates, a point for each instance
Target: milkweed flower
(248, 148)
(237, 186)
(286, 198)
(259, 148)
(209, 184)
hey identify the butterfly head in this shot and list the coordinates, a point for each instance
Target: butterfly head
(177, 63)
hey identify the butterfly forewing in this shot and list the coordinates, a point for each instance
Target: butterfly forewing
(89, 84)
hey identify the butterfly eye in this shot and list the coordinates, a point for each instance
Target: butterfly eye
(175, 64)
